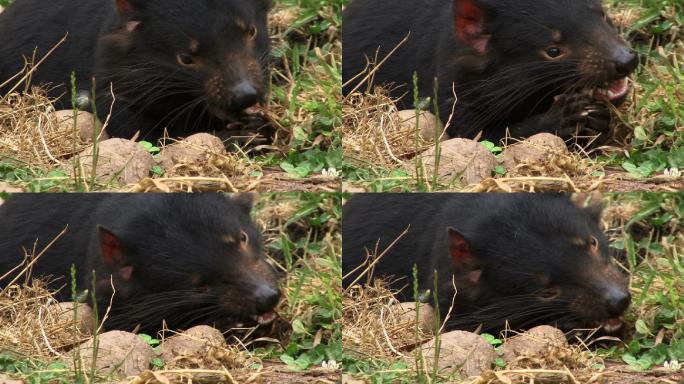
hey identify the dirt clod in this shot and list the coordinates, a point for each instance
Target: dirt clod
(427, 123)
(538, 341)
(123, 161)
(194, 341)
(470, 353)
(461, 159)
(121, 353)
(85, 319)
(190, 150)
(426, 320)
(538, 149)
(85, 123)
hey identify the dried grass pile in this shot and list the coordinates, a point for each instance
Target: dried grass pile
(32, 325)
(373, 134)
(31, 136)
(375, 327)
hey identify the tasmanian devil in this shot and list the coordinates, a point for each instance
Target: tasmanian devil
(178, 65)
(177, 258)
(528, 66)
(519, 258)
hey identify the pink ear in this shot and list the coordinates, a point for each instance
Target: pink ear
(112, 253)
(130, 14)
(469, 24)
(126, 8)
(459, 248)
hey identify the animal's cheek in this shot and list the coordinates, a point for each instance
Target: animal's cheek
(265, 271)
(215, 89)
(585, 305)
(254, 71)
(236, 301)
(593, 65)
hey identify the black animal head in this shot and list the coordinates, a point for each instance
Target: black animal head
(534, 262)
(535, 50)
(194, 260)
(189, 57)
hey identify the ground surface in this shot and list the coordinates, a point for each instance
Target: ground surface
(302, 237)
(303, 111)
(648, 227)
(646, 144)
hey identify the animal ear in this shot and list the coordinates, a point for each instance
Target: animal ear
(595, 210)
(130, 12)
(245, 201)
(459, 248)
(469, 19)
(112, 253)
(591, 203)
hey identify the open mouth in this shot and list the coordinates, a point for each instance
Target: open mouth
(616, 89)
(265, 318)
(612, 325)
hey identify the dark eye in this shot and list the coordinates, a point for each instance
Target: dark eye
(185, 60)
(252, 32)
(553, 52)
(203, 289)
(243, 238)
(594, 242)
(549, 294)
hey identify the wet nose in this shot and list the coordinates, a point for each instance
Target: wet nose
(266, 298)
(244, 95)
(626, 62)
(617, 301)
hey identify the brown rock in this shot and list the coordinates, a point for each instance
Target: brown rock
(125, 161)
(538, 149)
(462, 159)
(427, 123)
(426, 321)
(466, 352)
(85, 123)
(85, 317)
(120, 353)
(192, 149)
(538, 341)
(194, 341)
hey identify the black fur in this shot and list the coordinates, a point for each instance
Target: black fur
(496, 63)
(177, 263)
(521, 258)
(137, 46)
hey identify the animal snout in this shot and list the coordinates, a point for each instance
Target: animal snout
(266, 298)
(244, 95)
(617, 300)
(626, 61)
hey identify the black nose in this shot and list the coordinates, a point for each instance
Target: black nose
(626, 62)
(244, 95)
(266, 298)
(617, 301)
